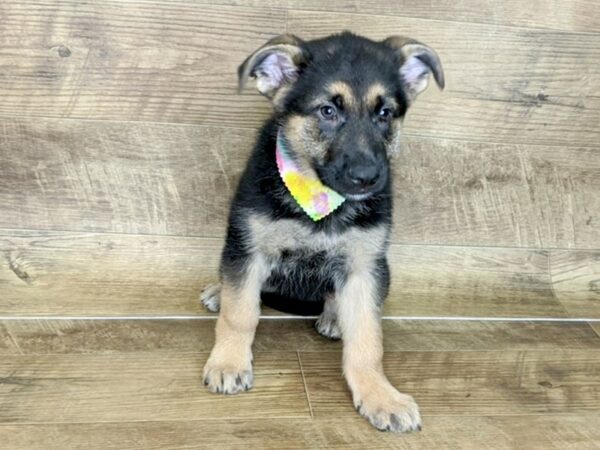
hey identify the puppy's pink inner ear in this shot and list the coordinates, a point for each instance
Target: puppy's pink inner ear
(280, 68)
(274, 71)
(415, 74)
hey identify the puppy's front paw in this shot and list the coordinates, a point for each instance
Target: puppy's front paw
(228, 375)
(387, 409)
(211, 297)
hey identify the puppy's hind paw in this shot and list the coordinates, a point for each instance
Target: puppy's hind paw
(327, 326)
(211, 297)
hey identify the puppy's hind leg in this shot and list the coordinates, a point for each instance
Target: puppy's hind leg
(210, 297)
(327, 323)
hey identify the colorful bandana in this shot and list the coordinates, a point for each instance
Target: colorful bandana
(316, 199)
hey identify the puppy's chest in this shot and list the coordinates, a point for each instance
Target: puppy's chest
(289, 243)
(291, 240)
(302, 264)
(298, 250)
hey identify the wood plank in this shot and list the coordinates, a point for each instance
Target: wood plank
(177, 62)
(32, 337)
(485, 61)
(149, 387)
(119, 177)
(131, 60)
(470, 383)
(457, 192)
(503, 84)
(59, 273)
(101, 388)
(170, 179)
(551, 14)
(470, 281)
(551, 432)
(89, 274)
(576, 280)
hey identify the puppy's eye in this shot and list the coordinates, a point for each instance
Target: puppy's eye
(328, 112)
(385, 114)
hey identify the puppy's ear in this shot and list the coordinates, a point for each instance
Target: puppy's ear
(274, 65)
(417, 62)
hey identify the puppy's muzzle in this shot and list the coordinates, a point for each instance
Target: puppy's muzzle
(363, 177)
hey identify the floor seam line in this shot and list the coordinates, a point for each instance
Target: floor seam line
(292, 317)
(310, 408)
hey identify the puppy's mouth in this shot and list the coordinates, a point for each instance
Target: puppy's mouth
(337, 179)
(351, 193)
(358, 197)
(355, 193)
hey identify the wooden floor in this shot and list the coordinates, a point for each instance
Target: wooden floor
(136, 385)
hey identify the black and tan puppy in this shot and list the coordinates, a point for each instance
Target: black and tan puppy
(338, 103)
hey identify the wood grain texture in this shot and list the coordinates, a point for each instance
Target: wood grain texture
(32, 337)
(458, 192)
(177, 61)
(131, 60)
(470, 281)
(484, 61)
(8, 344)
(145, 393)
(596, 327)
(149, 387)
(119, 177)
(576, 280)
(554, 14)
(471, 383)
(57, 273)
(503, 85)
(91, 274)
(551, 14)
(550, 432)
(171, 179)
(110, 388)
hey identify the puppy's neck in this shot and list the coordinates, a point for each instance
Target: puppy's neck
(315, 199)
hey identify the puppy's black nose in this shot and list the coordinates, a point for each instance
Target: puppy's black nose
(363, 176)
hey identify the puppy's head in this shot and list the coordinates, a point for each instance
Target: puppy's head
(341, 100)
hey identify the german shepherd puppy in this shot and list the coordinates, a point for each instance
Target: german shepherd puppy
(338, 104)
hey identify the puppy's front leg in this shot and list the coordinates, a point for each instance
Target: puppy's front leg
(229, 367)
(374, 396)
